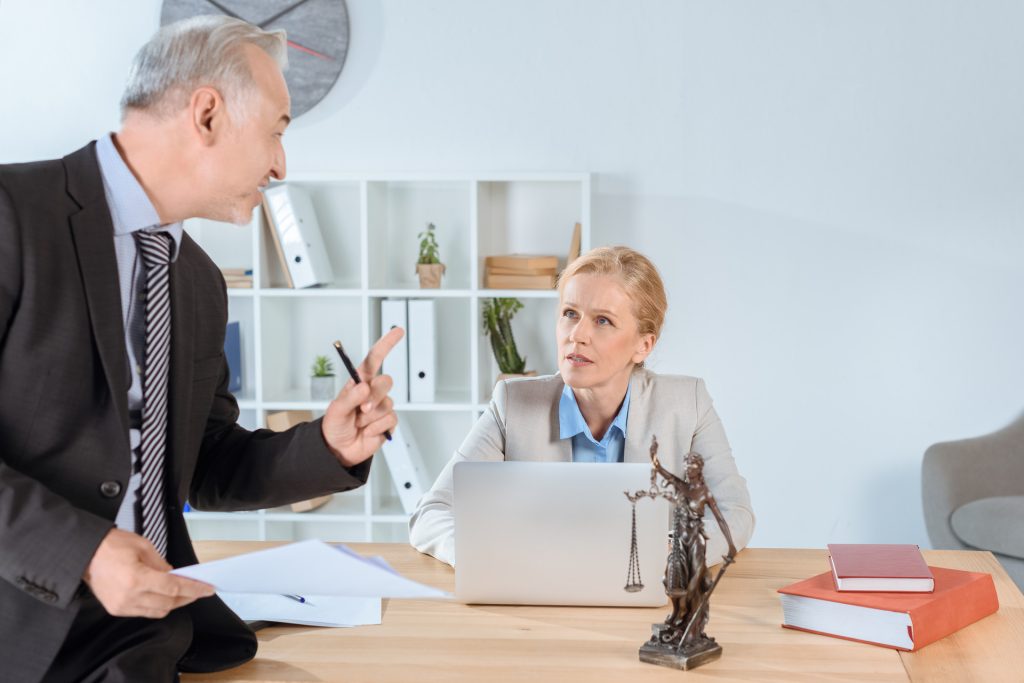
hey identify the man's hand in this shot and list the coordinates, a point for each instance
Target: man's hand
(357, 418)
(130, 579)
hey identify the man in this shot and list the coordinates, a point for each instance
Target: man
(114, 406)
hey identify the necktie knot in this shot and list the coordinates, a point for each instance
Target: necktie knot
(155, 248)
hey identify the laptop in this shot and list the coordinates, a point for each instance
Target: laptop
(556, 533)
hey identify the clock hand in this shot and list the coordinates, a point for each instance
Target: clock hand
(263, 24)
(303, 48)
(291, 43)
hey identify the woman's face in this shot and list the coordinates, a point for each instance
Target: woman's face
(599, 339)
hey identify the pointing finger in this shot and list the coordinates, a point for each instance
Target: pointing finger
(375, 358)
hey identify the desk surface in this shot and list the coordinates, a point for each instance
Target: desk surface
(430, 641)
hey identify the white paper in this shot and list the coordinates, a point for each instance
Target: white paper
(318, 610)
(308, 568)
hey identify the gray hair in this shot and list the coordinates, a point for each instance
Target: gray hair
(203, 50)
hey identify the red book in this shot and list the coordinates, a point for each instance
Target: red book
(904, 621)
(879, 567)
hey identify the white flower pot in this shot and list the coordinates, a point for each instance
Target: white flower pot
(322, 388)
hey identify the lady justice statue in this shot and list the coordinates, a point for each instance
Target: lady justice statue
(680, 642)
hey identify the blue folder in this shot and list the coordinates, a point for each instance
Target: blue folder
(233, 352)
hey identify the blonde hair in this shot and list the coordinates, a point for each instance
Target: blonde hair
(638, 277)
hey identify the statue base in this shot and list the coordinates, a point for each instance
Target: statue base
(697, 653)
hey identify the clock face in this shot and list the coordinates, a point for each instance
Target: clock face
(317, 37)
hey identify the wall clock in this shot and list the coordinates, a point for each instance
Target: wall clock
(317, 37)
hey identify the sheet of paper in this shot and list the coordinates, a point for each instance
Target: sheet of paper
(318, 610)
(308, 568)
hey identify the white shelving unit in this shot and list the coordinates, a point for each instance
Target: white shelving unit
(369, 225)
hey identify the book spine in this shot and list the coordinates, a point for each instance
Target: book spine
(521, 263)
(956, 608)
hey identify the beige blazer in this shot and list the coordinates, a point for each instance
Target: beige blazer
(521, 423)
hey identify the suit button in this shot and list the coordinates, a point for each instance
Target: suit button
(110, 489)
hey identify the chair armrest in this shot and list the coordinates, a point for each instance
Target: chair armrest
(956, 472)
(992, 524)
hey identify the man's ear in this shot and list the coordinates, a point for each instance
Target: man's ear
(207, 114)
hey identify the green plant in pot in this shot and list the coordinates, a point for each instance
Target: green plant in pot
(429, 266)
(321, 383)
(497, 322)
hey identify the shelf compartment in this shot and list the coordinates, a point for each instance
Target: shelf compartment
(397, 211)
(295, 331)
(534, 330)
(338, 209)
(452, 328)
(528, 217)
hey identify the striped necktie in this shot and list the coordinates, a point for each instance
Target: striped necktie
(155, 248)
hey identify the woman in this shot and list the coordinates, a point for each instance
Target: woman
(603, 405)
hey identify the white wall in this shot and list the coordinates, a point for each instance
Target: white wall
(832, 189)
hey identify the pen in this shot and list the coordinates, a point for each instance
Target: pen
(297, 598)
(354, 375)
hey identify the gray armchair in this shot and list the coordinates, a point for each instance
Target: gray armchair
(973, 494)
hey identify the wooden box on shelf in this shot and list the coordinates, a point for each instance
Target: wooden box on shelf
(520, 271)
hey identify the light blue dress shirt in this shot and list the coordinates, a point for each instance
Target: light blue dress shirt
(131, 210)
(584, 447)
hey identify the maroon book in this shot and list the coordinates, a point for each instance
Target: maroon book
(898, 568)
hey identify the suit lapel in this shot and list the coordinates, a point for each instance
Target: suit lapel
(92, 233)
(180, 387)
(638, 423)
(561, 448)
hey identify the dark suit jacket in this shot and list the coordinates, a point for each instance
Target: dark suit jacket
(64, 453)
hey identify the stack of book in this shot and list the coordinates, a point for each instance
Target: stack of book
(520, 271)
(237, 278)
(887, 595)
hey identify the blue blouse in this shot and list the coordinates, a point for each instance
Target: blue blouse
(584, 447)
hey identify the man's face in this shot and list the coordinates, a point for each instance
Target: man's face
(250, 152)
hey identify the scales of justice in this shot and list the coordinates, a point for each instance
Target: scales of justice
(680, 641)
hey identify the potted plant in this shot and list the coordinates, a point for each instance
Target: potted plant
(321, 384)
(497, 319)
(429, 266)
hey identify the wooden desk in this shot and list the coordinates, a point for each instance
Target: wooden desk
(426, 641)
